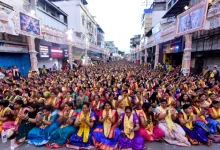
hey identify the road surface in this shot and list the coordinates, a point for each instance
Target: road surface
(150, 146)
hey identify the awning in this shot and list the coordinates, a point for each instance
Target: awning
(100, 30)
(149, 33)
(177, 8)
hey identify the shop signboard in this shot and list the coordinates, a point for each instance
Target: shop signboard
(44, 51)
(56, 52)
(30, 24)
(66, 53)
(191, 20)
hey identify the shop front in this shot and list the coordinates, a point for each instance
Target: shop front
(51, 53)
(95, 56)
(15, 55)
(173, 52)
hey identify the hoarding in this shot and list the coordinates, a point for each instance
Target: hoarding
(29, 24)
(191, 20)
(44, 51)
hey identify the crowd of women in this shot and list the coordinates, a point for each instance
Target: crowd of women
(110, 106)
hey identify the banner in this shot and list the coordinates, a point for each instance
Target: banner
(56, 52)
(29, 24)
(191, 20)
(44, 51)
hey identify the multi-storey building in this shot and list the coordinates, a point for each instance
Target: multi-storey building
(54, 20)
(188, 35)
(36, 33)
(153, 22)
(84, 26)
(100, 37)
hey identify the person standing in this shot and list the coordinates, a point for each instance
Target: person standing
(44, 69)
(16, 73)
(55, 67)
(214, 73)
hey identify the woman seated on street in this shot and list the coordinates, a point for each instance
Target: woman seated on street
(5, 112)
(106, 134)
(46, 123)
(11, 127)
(174, 134)
(59, 137)
(148, 124)
(82, 139)
(196, 134)
(214, 120)
(28, 122)
(129, 126)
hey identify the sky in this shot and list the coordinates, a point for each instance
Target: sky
(120, 19)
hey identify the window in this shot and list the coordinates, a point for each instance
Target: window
(83, 20)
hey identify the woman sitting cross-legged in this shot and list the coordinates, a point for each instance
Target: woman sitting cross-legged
(129, 125)
(11, 125)
(46, 123)
(106, 134)
(195, 133)
(174, 134)
(82, 139)
(28, 122)
(148, 124)
(59, 137)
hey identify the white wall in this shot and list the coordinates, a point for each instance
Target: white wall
(75, 10)
(49, 63)
(50, 21)
(157, 17)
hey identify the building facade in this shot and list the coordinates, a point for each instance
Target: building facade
(188, 41)
(36, 33)
(84, 27)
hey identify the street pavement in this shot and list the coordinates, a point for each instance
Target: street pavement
(150, 146)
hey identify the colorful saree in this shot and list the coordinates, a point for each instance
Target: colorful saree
(174, 134)
(40, 135)
(82, 139)
(151, 132)
(214, 123)
(13, 125)
(195, 133)
(105, 136)
(24, 128)
(3, 113)
(133, 140)
(59, 137)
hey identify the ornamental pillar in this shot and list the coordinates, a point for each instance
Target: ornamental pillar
(33, 53)
(156, 56)
(70, 50)
(187, 55)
